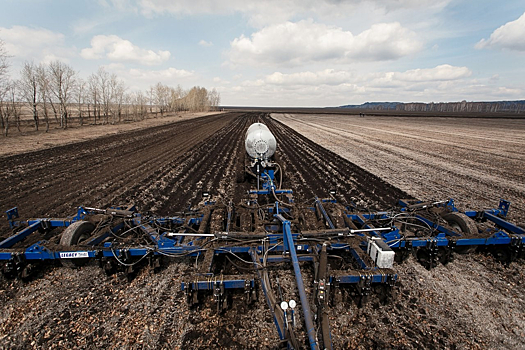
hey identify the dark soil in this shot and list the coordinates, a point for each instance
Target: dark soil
(472, 302)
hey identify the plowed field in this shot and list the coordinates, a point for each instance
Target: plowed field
(471, 303)
(476, 161)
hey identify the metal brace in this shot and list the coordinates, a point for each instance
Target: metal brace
(516, 247)
(249, 291)
(364, 286)
(432, 252)
(12, 214)
(218, 293)
(15, 265)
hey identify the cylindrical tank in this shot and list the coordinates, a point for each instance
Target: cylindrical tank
(260, 142)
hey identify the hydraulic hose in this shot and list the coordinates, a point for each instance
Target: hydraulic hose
(276, 311)
(321, 297)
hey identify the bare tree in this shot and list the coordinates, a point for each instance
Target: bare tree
(46, 85)
(14, 106)
(162, 95)
(4, 115)
(120, 97)
(197, 99)
(29, 89)
(141, 101)
(63, 79)
(134, 105)
(94, 95)
(43, 88)
(177, 99)
(127, 105)
(9, 106)
(151, 98)
(57, 85)
(214, 98)
(4, 87)
(116, 97)
(4, 64)
(103, 79)
(80, 96)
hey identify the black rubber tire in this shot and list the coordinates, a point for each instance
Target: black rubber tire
(72, 235)
(76, 232)
(462, 223)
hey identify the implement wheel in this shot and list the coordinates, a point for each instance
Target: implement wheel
(74, 234)
(463, 224)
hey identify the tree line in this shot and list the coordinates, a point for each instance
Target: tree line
(464, 106)
(452, 107)
(55, 92)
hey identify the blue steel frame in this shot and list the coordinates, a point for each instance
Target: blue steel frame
(506, 234)
(291, 250)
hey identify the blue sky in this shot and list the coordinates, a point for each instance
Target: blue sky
(284, 53)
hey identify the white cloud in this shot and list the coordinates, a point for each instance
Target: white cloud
(337, 87)
(510, 36)
(122, 5)
(417, 79)
(140, 79)
(113, 11)
(205, 43)
(118, 49)
(326, 77)
(261, 13)
(37, 44)
(443, 72)
(220, 81)
(293, 44)
(160, 75)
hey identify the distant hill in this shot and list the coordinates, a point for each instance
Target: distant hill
(463, 106)
(374, 105)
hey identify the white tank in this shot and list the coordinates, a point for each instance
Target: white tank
(260, 142)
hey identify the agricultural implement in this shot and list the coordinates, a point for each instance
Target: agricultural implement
(237, 250)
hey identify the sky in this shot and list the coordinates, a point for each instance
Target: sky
(288, 53)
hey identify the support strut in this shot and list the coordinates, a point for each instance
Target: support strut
(287, 236)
